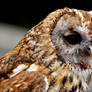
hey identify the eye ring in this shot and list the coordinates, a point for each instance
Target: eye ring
(73, 38)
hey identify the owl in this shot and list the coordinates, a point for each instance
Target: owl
(54, 56)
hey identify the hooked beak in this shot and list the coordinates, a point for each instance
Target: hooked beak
(90, 55)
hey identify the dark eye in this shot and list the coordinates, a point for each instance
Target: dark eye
(73, 38)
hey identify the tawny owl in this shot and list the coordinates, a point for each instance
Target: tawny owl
(54, 56)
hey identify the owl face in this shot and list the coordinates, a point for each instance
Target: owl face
(72, 40)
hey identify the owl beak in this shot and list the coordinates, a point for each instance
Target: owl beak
(91, 54)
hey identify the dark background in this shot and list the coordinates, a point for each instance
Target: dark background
(28, 14)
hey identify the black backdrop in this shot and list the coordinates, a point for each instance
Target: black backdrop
(27, 14)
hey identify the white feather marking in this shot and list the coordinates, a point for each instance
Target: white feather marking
(17, 85)
(90, 12)
(32, 42)
(10, 89)
(47, 84)
(32, 67)
(14, 74)
(54, 74)
(17, 70)
(20, 68)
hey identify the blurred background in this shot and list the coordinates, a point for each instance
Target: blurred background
(16, 18)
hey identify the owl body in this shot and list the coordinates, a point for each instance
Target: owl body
(54, 56)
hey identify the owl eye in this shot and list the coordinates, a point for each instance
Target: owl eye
(73, 38)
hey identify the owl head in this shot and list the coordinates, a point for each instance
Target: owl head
(72, 37)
